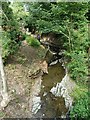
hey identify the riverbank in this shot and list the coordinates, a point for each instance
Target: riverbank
(33, 93)
(18, 69)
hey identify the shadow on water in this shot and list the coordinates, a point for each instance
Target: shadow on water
(51, 106)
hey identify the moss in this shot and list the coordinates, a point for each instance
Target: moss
(32, 41)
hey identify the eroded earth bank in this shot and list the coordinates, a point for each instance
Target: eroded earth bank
(37, 90)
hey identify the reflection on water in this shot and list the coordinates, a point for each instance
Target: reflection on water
(51, 106)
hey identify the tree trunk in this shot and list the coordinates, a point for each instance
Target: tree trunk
(3, 82)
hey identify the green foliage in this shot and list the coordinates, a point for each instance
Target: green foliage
(69, 20)
(80, 109)
(19, 13)
(8, 46)
(54, 17)
(77, 43)
(32, 41)
(11, 34)
(6, 13)
(66, 18)
(78, 67)
(9, 22)
(79, 91)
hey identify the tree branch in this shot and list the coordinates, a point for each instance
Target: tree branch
(5, 15)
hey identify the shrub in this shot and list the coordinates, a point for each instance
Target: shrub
(32, 41)
(77, 66)
(8, 46)
(80, 109)
(79, 91)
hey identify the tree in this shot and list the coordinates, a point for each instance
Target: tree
(11, 33)
(69, 20)
(3, 82)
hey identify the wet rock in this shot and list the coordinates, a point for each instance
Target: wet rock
(53, 63)
(64, 88)
(45, 93)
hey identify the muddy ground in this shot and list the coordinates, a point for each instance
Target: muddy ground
(18, 69)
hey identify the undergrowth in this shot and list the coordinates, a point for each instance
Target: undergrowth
(32, 41)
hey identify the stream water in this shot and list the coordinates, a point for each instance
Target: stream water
(50, 106)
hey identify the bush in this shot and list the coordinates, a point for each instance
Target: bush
(32, 41)
(8, 46)
(78, 67)
(80, 109)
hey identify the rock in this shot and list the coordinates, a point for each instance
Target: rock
(44, 67)
(36, 105)
(35, 101)
(63, 116)
(56, 90)
(45, 93)
(38, 69)
(64, 88)
(53, 63)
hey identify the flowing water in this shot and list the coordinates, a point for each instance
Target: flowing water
(51, 106)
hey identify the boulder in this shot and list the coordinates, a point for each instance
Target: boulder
(64, 89)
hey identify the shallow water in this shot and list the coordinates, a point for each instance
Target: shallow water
(51, 106)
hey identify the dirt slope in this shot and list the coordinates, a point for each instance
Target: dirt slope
(18, 70)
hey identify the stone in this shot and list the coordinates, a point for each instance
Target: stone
(44, 67)
(63, 89)
(45, 93)
(53, 63)
(36, 104)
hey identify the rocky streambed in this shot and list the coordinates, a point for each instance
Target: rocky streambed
(51, 93)
(39, 90)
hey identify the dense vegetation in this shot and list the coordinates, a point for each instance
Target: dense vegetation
(68, 20)
(11, 33)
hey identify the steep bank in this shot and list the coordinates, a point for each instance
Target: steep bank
(28, 92)
(18, 69)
